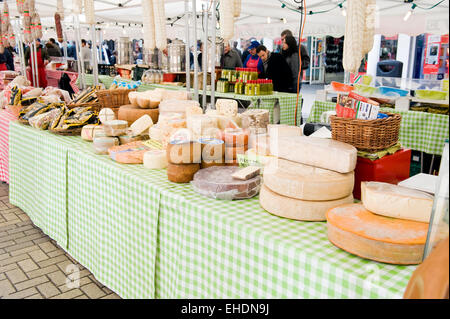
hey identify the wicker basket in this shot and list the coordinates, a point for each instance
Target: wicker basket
(113, 98)
(68, 132)
(367, 135)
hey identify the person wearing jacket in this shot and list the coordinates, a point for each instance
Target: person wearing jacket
(290, 53)
(304, 53)
(276, 69)
(6, 60)
(42, 61)
(253, 61)
(230, 58)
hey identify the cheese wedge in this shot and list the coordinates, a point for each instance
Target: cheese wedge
(396, 201)
(324, 153)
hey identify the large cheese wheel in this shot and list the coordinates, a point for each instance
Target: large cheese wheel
(217, 182)
(297, 209)
(155, 159)
(131, 153)
(358, 231)
(131, 113)
(307, 182)
(181, 173)
(184, 152)
(324, 153)
(396, 201)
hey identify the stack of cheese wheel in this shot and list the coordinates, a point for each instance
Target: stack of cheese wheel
(184, 158)
(236, 142)
(213, 152)
(390, 226)
(310, 176)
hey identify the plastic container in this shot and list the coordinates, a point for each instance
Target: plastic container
(392, 92)
(366, 89)
(431, 94)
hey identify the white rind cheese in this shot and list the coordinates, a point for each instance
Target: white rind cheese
(396, 201)
(307, 182)
(155, 159)
(141, 125)
(324, 153)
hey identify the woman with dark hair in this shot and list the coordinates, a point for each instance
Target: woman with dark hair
(290, 53)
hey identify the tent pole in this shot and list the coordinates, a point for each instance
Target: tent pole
(187, 49)
(21, 49)
(213, 54)
(205, 53)
(64, 40)
(80, 61)
(194, 11)
(94, 54)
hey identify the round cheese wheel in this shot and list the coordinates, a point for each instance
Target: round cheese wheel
(184, 152)
(216, 182)
(235, 137)
(131, 113)
(181, 173)
(231, 152)
(115, 127)
(212, 149)
(206, 164)
(358, 231)
(307, 182)
(131, 153)
(101, 144)
(297, 209)
(106, 114)
(155, 159)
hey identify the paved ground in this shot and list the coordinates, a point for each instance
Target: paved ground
(33, 266)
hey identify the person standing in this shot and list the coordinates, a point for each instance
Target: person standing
(275, 68)
(290, 53)
(52, 49)
(42, 59)
(230, 58)
(86, 54)
(253, 61)
(303, 52)
(235, 48)
(6, 60)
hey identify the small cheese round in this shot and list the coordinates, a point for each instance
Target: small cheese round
(106, 114)
(115, 127)
(181, 173)
(101, 144)
(297, 209)
(88, 131)
(155, 159)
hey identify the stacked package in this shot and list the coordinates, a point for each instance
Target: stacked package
(310, 175)
(389, 226)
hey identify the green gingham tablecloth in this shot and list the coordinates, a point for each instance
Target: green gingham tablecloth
(146, 237)
(287, 101)
(419, 131)
(38, 172)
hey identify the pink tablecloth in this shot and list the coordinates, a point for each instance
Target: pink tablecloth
(53, 77)
(5, 118)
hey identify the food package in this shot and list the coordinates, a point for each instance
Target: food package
(43, 120)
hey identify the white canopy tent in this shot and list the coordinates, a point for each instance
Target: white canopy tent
(255, 16)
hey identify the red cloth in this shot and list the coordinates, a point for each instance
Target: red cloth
(252, 63)
(3, 67)
(5, 118)
(41, 70)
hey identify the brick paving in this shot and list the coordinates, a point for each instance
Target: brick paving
(33, 266)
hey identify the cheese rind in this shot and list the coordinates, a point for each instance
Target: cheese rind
(324, 153)
(358, 231)
(131, 113)
(306, 182)
(396, 201)
(297, 209)
(181, 173)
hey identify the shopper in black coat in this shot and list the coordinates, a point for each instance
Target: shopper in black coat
(276, 69)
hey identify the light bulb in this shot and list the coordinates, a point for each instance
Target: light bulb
(284, 20)
(344, 12)
(268, 19)
(124, 31)
(407, 15)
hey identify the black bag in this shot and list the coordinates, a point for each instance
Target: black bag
(305, 58)
(64, 84)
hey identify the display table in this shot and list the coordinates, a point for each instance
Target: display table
(286, 101)
(53, 77)
(5, 118)
(419, 131)
(144, 237)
